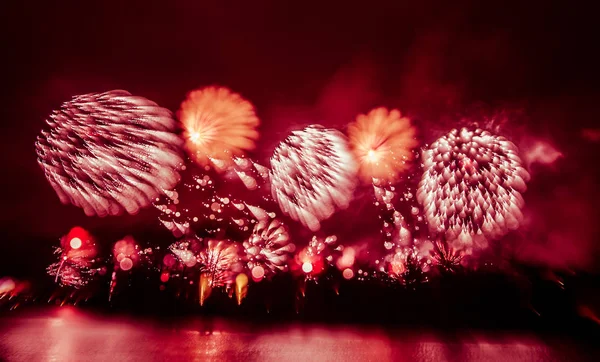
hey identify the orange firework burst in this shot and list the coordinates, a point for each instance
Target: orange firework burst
(382, 142)
(218, 125)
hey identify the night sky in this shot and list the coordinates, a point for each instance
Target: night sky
(313, 62)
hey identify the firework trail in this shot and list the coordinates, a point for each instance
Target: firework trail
(268, 248)
(312, 173)
(110, 152)
(219, 125)
(241, 287)
(253, 175)
(471, 187)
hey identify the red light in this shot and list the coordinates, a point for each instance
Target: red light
(75, 243)
(348, 273)
(258, 272)
(126, 264)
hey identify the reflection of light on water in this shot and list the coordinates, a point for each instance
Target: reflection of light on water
(68, 334)
(316, 344)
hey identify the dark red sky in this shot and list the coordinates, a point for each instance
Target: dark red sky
(312, 62)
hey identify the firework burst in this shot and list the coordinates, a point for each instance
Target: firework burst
(471, 187)
(218, 124)
(77, 254)
(446, 258)
(408, 265)
(382, 142)
(268, 248)
(110, 152)
(319, 252)
(312, 173)
(217, 261)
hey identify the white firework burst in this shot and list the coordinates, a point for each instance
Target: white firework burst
(268, 248)
(110, 152)
(471, 187)
(312, 174)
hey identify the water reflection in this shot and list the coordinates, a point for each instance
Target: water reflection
(68, 334)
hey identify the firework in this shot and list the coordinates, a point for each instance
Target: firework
(471, 187)
(77, 254)
(217, 261)
(398, 261)
(382, 142)
(268, 248)
(313, 258)
(7, 285)
(183, 251)
(218, 124)
(110, 152)
(71, 275)
(408, 264)
(312, 174)
(241, 287)
(202, 204)
(78, 247)
(446, 258)
(126, 253)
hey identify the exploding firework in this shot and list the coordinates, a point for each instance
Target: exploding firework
(219, 125)
(77, 254)
(217, 261)
(408, 265)
(471, 187)
(316, 255)
(268, 248)
(382, 142)
(446, 258)
(109, 152)
(312, 173)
